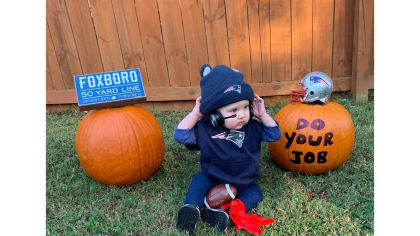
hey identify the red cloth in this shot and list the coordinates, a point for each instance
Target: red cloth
(243, 220)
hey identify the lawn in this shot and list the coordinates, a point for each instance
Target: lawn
(339, 202)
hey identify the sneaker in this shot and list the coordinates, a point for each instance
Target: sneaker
(187, 218)
(216, 218)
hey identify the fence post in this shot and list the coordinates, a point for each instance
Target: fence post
(362, 58)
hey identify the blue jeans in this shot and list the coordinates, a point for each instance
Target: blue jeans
(250, 195)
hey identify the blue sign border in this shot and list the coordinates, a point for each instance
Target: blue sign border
(120, 85)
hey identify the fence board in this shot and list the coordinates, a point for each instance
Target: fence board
(195, 37)
(372, 49)
(265, 31)
(192, 92)
(106, 30)
(49, 80)
(281, 40)
(216, 32)
(84, 36)
(129, 35)
(164, 106)
(323, 17)
(150, 31)
(238, 35)
(54, 77)
(173, 38)
(301, 38)
(184, 105)
(255, 40)
(369, 26)
(343, 38)
(363, 32)
(62, 38)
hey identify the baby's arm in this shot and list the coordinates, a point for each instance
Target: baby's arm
(191, 119)
(184, 132)
(260, 112)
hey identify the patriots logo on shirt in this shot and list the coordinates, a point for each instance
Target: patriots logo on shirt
(316, 79)
(236, 88)
(234, 136)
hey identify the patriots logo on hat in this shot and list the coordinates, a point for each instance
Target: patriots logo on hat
(236, 88)
(234, 136)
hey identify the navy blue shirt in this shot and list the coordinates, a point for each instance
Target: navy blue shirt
(229, 156)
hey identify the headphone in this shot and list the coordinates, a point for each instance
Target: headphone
(217, 119)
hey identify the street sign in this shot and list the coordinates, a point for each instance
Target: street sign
(109, 89)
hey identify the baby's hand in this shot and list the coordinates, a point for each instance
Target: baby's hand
(191, 119)
(258, 106)
(196, 109)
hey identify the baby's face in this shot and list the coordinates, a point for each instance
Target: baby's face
(240, 109)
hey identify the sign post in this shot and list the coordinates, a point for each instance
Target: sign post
(109, 89)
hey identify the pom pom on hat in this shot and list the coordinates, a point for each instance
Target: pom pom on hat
(221, 86)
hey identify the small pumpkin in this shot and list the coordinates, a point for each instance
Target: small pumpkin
(316, 138)
(120, 146)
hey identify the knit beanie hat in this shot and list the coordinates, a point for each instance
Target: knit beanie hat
(221, 86)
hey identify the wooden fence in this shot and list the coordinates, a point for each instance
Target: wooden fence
(272, 42)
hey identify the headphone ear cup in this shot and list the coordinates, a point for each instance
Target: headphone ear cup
(251, 112)
(216, 119)
(220, 119)
(213, 119)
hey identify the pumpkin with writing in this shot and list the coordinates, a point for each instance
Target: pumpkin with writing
(316, 138)
(120, 146)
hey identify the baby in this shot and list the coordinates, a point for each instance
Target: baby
(221, 127)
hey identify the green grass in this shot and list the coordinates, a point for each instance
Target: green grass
(336, 203)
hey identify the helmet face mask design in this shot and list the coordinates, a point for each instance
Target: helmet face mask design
(317, 86)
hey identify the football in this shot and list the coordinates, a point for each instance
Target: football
(220, 195)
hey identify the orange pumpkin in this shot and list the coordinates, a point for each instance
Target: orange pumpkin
(315, 138)
(120, 146)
